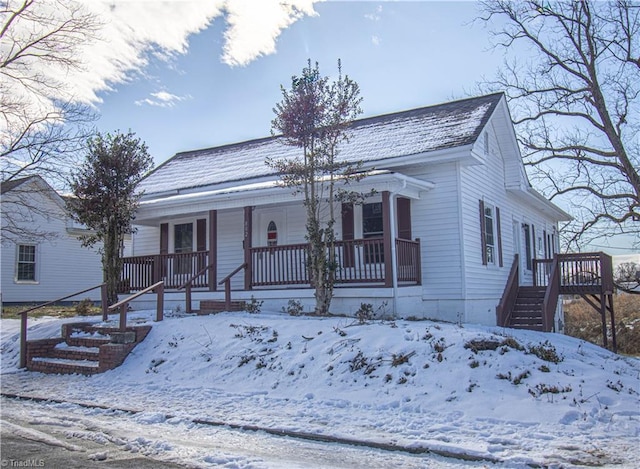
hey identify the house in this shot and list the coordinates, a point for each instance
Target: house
(452, 210)
(42, 257)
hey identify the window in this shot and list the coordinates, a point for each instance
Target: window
(527, 245)
(489, 237)
(373, 227)
(486, 143)
(272, 234)
(490, 234)
(26, 265)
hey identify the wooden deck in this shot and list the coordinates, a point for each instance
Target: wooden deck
(589, 275)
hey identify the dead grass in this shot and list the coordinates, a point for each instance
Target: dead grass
(11, 312)
(584, 322)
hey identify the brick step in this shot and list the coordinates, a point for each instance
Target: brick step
(218, 306)
(87, 341)
(64, 366)
(83, 349)
(73, 352)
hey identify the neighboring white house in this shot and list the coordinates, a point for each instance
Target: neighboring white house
(42, 257)
(453, 206)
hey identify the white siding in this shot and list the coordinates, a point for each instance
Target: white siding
(435, 221)
(63, 266)
(485, 283)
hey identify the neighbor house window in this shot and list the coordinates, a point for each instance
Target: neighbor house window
(26, 265)
(372, 227)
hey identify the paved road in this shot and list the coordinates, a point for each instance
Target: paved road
(62, 435)
(18, 451)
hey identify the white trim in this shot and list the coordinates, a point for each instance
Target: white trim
(266, 193)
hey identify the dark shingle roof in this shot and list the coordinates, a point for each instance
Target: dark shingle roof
(412, 132)
(10, 185)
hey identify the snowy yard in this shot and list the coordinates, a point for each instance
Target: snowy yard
(503, 397)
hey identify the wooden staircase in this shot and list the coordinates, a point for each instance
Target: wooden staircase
(527, 310)
(83, 348)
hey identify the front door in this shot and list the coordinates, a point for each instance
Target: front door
(183, 243)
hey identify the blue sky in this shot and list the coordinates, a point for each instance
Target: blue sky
(402, 54)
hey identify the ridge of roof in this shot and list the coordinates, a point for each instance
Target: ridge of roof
(355, 123)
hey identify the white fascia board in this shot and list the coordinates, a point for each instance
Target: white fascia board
(531, 197)
(267, 193)
(460, 153)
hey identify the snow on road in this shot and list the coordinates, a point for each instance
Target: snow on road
(517, 397)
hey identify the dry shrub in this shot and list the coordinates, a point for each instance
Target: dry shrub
(584, 322)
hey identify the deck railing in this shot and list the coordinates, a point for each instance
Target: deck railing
(551, 296)
(577, 272)
(508, 301)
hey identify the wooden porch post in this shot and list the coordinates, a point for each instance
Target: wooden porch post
(386, 239)
(248, 231)
(213, 250)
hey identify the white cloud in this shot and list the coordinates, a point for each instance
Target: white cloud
(162, 99)
(254, 26)
(376, 15)
(375, 40)
(134, 30)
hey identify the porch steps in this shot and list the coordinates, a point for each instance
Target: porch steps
(83, 348)
(218, 306)
(527, 312)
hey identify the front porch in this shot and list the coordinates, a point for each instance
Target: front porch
(361, 262)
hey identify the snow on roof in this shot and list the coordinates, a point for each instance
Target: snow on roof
(412, 132)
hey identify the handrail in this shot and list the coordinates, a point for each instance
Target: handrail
(227, 285)
(228, 277)
(122, 304)
(187, 287)
(551, 295)
(195, 276)
(23, 317)
(507, 302)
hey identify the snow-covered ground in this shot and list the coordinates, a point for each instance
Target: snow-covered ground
(512, 398)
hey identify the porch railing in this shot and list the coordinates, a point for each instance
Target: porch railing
(359, 261)
(139, 272)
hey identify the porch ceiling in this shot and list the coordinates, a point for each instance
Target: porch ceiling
(151, 211)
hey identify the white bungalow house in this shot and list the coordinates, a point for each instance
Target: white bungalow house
(453, 209)
(42, 257)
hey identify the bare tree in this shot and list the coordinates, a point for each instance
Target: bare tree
(575, 105)
(43, 126)
(314, 115)
(627, 277)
